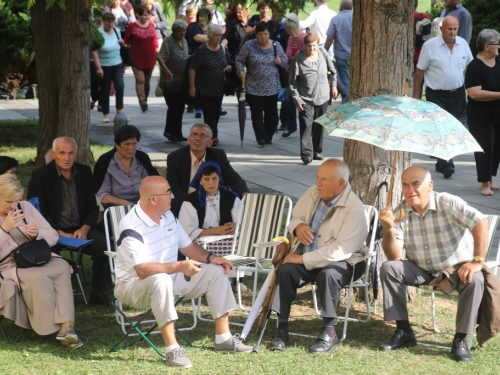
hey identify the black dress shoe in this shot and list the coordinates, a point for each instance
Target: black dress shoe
(182, 138)
(448, 171)
(318, 156)
(171, 137)
(307, 160)
(269, 142)
(280, 340)
(324, 344)
(261, 143)
(399, 340)
(98, 297)
(460, 351)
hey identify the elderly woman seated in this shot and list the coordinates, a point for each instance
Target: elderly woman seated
(38, 298)
(212, 209)
(119, 172)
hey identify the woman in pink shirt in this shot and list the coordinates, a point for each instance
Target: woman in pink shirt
(142, 38)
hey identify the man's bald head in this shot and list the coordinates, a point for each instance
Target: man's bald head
(338, 168)
(418, 171)
(417, 187)
(156, 197)
(152, 185)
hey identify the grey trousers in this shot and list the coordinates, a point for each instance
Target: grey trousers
(329, 280)
(158, 291)
(395, 275)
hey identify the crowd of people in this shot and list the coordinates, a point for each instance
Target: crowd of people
(202, 194)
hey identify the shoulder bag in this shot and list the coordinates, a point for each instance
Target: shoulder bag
(125, 53)
(281, 71)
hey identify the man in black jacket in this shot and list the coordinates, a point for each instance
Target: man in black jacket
(183, 164)
(67, 201)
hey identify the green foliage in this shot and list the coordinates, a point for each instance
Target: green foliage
(485, 15)
(16, 48)
(436, 10)
(96, 38)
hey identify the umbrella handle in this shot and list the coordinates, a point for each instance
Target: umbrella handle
(391, 186)
(243, 82)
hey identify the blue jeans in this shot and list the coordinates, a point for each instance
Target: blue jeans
(343, 78)
(289, 112)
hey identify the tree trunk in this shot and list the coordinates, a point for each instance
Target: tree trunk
(46, 31)
(74, 78)
(61, 41)
(381, 63)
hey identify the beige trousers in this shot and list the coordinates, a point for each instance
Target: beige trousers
(158, 291)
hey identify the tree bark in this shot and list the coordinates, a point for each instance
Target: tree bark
(61, 41)
(46, 31)
(74, 78)
(381, 63)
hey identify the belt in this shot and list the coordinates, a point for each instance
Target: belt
(446, 91)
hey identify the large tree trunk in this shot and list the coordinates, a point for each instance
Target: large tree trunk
(61, 42)
(74, 83)
(46, 31)
(381, 63)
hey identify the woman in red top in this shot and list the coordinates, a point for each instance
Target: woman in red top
(144, 47)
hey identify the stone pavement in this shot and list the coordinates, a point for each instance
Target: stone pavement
(273, 168)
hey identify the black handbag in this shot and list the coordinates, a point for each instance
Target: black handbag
(231, 80)
(281, 71)
(32, 254)
(125, 53)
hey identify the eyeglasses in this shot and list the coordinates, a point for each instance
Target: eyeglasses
(169, 193)
(495, 44)
(201, 135)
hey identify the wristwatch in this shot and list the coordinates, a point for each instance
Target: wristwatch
(478, 258)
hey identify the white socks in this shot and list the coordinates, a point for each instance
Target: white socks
(219, 339)
(168, 349)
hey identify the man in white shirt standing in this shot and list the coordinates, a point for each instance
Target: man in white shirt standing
(319, 20)
(441, 65)
(149, 274)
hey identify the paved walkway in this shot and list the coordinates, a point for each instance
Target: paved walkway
(276, 167)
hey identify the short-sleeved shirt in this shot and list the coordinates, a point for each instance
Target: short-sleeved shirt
(192, 30)
(318, 21)
(209, 67)
(480, 74)
(441, 237)
(175, 58)
(109, 53)
(144, 44)
(262, 77)
(141, 240)
(341, 30)
(444, 69)
(121, 183)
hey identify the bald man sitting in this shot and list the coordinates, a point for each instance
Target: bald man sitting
(329, 220)
(438, 231)
(148, 273)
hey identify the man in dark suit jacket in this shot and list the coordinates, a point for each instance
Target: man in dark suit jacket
(67, 201)
(183, 163)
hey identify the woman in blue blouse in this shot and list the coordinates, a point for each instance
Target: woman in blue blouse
(262, 81)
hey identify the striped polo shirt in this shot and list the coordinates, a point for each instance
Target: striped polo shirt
(141, 240)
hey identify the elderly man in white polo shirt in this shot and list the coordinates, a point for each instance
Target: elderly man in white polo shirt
(148, 273)
(319, 20)
(441, 65)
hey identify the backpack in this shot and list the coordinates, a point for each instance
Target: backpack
(422, 31)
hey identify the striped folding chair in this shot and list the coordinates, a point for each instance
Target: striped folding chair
(258, 223)
(130, 327)
(493, 221)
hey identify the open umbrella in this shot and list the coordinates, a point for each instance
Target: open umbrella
(394, 123)
(242, 110)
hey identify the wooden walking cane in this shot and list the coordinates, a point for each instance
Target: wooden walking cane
(282, 251)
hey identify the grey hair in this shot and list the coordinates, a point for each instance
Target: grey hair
(346, 4)
(485, 37)
(291, 20)
(339, 168)
(204, 126)
(68, 139)
(179, 24)
(436, 26)
(212, 28)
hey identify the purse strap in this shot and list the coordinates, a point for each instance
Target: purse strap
(117, 37)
